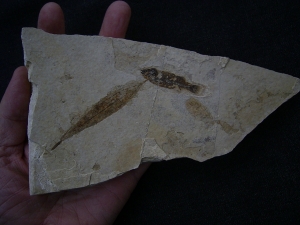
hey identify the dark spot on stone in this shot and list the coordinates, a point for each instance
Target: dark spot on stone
(96, 166)
(68, 76)
(211, 74)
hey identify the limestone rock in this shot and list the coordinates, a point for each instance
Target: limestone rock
(101, 106)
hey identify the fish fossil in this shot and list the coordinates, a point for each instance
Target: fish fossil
(170, 80)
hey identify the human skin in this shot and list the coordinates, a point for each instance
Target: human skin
(98, 204)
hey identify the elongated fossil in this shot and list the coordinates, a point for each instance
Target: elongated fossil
(108, 105)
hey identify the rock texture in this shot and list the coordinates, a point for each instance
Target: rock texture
(101, 106)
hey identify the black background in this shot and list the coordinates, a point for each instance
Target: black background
(258, 182)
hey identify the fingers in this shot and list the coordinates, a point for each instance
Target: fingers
(51, 19)
(14, 105)
(14, 109)
(116, 20)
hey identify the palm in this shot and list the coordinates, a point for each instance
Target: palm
(95, 204)
(98, 204)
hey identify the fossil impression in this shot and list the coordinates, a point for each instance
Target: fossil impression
(101, 106)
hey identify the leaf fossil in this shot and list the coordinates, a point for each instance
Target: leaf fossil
(111, 103)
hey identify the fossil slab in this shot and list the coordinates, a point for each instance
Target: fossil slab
(101, 106)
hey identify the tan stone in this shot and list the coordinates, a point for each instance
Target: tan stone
(101, 106)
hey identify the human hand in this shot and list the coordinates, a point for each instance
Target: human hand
(99, 204)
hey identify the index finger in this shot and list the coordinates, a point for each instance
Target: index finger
(116, 20)
(51, 19)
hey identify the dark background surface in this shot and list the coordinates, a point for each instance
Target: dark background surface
(258, 182)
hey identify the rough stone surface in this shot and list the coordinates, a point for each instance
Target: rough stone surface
(101, 106)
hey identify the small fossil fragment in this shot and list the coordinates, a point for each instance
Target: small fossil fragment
(170, 80)
(200, 112)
